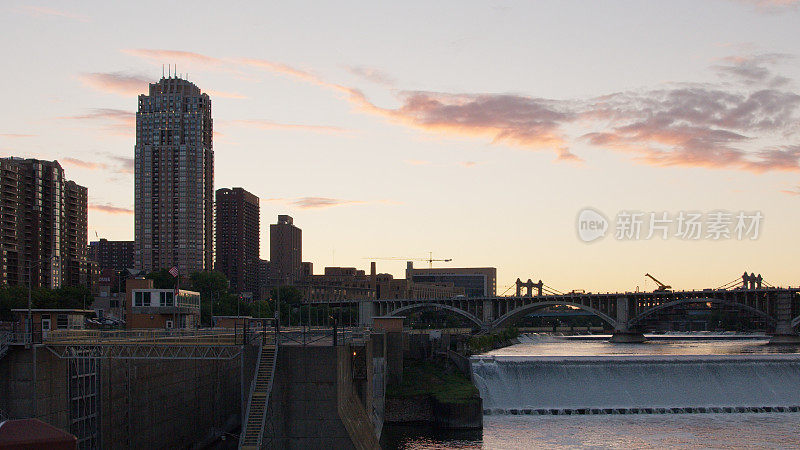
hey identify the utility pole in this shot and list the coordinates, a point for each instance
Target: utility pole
(32, 343)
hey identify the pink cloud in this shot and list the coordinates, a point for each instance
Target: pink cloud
(772, 5)
(269, 125)
(417, 162)
(84, 164)
(40, 11)
(793, 191)
(223, 94)
(116, 83)
(122, 164)
(16, 135)
(324, 202)
(118, 121)
(174, 55)
(372, 74)
(110, 209)
(686, 125)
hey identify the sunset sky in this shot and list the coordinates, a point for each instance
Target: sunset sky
(474, 130)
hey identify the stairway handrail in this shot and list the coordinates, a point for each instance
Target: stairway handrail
(269, 392)
(250, 396)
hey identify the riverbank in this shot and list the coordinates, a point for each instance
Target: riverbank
(434, 392)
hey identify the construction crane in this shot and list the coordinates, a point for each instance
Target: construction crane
(661, 286)
(429, 259)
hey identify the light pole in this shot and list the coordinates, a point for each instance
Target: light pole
(30, 331)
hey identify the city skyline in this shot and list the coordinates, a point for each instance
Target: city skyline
(464, 148)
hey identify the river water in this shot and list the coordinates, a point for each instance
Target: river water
(676, 391)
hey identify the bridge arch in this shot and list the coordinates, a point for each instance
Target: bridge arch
(517, 313)
(426, 305)
(644, 314)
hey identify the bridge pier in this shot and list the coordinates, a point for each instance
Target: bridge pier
(366, 311)
(623, 334)
(784, 332)
(488, 312)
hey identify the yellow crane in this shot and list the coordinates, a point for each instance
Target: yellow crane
(661, 286)
(430, 259)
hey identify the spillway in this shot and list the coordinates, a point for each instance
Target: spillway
(638, 384)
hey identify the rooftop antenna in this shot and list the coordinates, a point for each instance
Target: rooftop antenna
(162, 71)
(169, 70)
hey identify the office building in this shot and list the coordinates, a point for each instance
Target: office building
(174, 179)
(237, 233)
(476, 281)
(285, 251)
(147, 307)
(43, 225)
(349, 283)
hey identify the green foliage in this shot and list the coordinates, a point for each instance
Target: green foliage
(287, 294)
(162, 279)
(442, 381)
(486, 342)
(16, 297)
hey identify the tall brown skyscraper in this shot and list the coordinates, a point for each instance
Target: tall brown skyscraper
(237, 234)
(285, 250)
(174, 178)
(43, 225)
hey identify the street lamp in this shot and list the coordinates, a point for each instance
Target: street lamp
(30, 326)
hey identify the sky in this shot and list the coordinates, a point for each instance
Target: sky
(475, 130)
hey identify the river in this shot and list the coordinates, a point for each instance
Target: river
(677, 391)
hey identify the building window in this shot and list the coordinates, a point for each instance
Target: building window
(167, 299)
(62, 322)
(138, 299)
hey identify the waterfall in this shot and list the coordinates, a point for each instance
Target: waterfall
(637, 384)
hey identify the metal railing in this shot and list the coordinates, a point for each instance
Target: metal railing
(5, 341)
(208, 336)
(321, 335)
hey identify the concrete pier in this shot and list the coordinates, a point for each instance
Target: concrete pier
(627, 337)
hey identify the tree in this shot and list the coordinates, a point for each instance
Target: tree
(162, 279)
(287, 294)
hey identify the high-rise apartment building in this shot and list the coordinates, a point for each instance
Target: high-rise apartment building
(285, 251)
(174, 178)
(43, 226)
(237, 232)
(114, 255)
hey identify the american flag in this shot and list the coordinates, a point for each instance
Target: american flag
(174, 271)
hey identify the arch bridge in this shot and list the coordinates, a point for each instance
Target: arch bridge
(625, 312)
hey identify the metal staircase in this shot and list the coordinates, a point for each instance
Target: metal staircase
(5, 341)
(252, 435)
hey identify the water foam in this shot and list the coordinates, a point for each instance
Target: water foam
(638, 384)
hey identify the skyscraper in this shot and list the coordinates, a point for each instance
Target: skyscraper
(43, 230)
(174, 178)
(285, 250)
(237, 238)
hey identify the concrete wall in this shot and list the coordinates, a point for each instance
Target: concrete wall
(354, 397)
(16, 386)
(142, 403)
(167, 404)
(302, 405)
